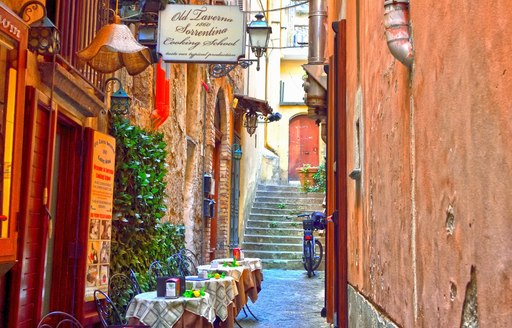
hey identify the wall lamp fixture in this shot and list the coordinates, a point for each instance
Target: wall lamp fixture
(120, 102)
(259, 34)
(254, 111)
(44, 37)
(237, 151)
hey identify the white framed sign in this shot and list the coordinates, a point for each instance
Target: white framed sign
(201, 33)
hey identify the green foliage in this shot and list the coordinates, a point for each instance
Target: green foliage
(281, 205)
(320, 178)
(319, 181)
(305, 168)
(273, 224)
(138, 236)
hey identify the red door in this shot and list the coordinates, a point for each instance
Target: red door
(303, 145)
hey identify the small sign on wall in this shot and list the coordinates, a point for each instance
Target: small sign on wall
(201, 33)
(100, 213)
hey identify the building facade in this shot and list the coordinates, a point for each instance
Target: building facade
(55, 112)
(418, 97)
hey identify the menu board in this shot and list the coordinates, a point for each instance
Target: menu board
(100, 213)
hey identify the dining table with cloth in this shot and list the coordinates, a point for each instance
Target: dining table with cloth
(252, 263)
(160, 312)
(248, 282)
(222, 293)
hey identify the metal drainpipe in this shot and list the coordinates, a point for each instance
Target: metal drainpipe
(265, 135)
(315, 93)
(317, 32)
(396, 22)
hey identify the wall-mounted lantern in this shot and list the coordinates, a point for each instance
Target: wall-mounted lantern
(259, 35)
(120, 102)
(237, 152)
(44, 37)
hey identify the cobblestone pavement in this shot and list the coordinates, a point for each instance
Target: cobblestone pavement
(288, 299)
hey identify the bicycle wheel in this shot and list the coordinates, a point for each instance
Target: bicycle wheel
(318, 254)
(308, 258)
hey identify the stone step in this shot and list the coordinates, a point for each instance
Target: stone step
(294, 208)
(290, 194)
(266, 239)
(271, 188)
(284, 232)
(270, 224)
(273, 209)
(272, 247)
(272, 255)
(274, 217)
(280, 201)
(281, 262)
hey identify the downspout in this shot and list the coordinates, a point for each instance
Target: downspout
(396, 22)
(316, 94)
(265, 135)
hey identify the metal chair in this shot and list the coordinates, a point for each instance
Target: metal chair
(155, 270)
(179, 264)
(122, 290)
(59, 319)
(135, 282)
(106, 309)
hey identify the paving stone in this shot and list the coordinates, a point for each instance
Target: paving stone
(288, 299)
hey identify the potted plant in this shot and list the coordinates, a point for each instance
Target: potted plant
(306, 173)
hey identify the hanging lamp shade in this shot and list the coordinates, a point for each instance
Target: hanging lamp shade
(113, 48)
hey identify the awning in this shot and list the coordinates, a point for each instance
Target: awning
(316, 71)
(252, 104)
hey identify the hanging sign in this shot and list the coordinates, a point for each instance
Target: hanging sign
(102, 168)
(201, 33)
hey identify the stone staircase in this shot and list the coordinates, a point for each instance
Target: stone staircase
(273, 231)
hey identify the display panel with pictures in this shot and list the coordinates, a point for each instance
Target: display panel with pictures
(100, 214)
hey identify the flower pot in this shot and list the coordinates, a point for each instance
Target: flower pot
(306, 176)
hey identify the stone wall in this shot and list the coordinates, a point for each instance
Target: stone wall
(190, 135)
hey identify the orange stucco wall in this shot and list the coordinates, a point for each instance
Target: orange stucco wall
(435, 148)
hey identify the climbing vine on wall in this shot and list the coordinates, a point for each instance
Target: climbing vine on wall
(138, 236)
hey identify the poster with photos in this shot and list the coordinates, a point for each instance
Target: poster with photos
(102, 167)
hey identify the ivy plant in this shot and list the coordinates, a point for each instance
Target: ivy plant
(138, 235)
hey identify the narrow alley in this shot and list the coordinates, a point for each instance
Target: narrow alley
(288, 299)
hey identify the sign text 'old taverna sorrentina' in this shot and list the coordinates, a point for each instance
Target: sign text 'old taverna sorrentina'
(191, 33)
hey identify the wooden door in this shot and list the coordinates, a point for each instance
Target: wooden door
(303, 144)
(28, 273)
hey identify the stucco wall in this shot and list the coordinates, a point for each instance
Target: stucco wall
(431, 207)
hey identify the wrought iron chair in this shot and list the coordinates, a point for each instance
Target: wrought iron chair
(122, 289)
(155, 270)
(191, 256)
(59, 319)
(179, 264)
(107, 311)
(135, 282)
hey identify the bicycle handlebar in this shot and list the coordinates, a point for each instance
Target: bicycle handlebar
(303, 215)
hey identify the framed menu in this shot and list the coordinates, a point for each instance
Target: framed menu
(100, 213)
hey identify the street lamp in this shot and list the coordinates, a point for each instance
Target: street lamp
(120, 102)
(259, 35)
(43, 37)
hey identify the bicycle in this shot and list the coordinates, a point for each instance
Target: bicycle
(312, 249)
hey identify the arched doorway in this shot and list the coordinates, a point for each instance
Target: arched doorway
(303, 144)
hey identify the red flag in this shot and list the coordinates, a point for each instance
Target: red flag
(162, 106)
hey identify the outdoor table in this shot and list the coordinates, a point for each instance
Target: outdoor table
(246, 282)
(161, 312)
(222, 293)
(253, 263)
